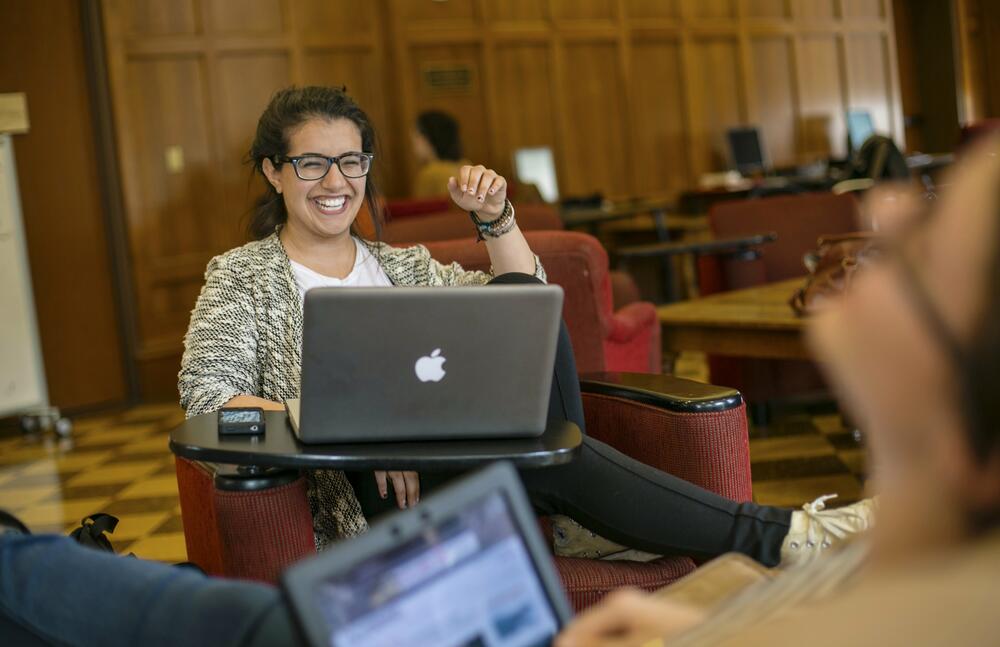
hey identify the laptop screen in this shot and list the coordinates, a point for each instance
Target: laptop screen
(468, 580)
(746, 151)
(859, 128)
(536, 166)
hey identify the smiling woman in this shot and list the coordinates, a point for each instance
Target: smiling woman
(315, 150)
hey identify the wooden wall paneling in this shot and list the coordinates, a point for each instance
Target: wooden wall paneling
(820, 129)
(713, 10)
(356, 68)
(989, 36)
(815, 10)
(242, 103)
(633, 95)
(863, 9)
(646, 9)
(491, 95)
(227, 16)
(593, 153)
(429, 14)
(329, 20)
(868, 78)
(584, 10)
(767, 9)
(898, 124)
(62, 205)
(515, 11)
(524, 107)
(717, 100)
(774, 95)
(659, 121)
(171, 220)
(626, 116)
(978, 32)
(157, 18)
(467, 105)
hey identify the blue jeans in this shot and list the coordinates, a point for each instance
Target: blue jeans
(55, 592)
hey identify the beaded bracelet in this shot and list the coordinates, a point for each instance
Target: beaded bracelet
(495, 228)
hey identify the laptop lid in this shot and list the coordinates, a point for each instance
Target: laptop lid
(536, 166)
(467, 566)
(397, 364)
(746, 151)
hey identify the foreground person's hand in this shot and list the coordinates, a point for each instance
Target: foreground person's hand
(628, 617)
(405, 485)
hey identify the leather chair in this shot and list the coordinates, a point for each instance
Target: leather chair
(234, 526)
(799, 221)
(603, 339)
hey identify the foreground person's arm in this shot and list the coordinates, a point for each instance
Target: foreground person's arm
(628, 617)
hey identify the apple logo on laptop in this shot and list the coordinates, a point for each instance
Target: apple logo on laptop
(429, 367)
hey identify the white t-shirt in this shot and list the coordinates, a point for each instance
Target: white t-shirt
(365, 273)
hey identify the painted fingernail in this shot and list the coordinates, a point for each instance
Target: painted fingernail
(481, 198)
(382, 494)
(465, 187)
(471, 190)
(492, 191)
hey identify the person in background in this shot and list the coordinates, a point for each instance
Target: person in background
(438, 149)
(913, 351)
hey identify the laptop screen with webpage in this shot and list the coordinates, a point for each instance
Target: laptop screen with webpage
(474, 575)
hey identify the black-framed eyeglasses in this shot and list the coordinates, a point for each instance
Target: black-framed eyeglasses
(315, 167)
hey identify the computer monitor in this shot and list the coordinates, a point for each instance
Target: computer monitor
(859, 128)
(536, 166)
(746, 151)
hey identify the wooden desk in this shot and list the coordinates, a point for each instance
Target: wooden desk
(591, 218)
(756, 322)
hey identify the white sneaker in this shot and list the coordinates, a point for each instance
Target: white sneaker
(815, 529)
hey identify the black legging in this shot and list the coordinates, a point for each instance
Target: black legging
(618, 497)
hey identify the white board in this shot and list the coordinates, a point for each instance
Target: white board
(22, 374)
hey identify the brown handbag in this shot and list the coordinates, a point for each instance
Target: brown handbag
(833, 266)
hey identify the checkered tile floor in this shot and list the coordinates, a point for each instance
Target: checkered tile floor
(117, 464)
(120, 464)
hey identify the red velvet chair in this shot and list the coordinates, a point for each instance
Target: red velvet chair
(397, 209)
(603, 339)
(695, 431)
(450, 223)
(799, 221)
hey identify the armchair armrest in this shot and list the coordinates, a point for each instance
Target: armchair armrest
(695, 431)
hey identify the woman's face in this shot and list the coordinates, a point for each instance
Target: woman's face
(324, 208)
(891, 369)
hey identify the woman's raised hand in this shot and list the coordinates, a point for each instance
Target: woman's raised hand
(479, 189)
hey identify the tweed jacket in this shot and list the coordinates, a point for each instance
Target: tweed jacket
(245, 337)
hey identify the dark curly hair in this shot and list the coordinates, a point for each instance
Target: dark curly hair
(288, 109)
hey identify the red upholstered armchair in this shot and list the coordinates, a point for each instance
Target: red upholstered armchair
(239, 526)
(603, 339)
(450, 223)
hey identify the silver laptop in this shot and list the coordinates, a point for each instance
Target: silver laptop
(401, 364)
(468, 566)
